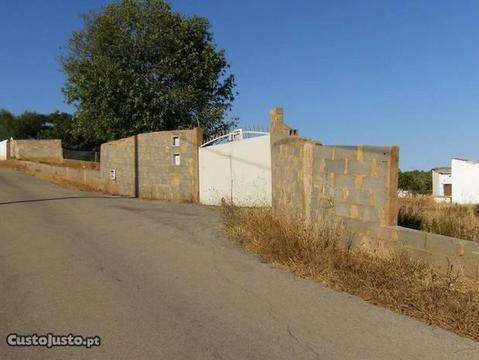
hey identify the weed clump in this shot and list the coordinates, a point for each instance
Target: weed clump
(322, 253)
(423, 213)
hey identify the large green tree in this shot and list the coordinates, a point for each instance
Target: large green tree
(137, 66)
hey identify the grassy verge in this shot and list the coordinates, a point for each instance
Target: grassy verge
(422, 213)
(396, 282)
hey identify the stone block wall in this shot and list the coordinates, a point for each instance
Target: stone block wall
(37, 150)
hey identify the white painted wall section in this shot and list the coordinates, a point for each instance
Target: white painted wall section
(465, 181)
(3, 150)
(438, 181)
(215, 174)
(238, 171)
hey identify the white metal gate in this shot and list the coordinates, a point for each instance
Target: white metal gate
(238, 171)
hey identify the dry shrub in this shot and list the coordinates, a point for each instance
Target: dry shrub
(322, 253)
(423, 213)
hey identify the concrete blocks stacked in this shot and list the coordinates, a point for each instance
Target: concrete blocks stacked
(168, 165)
(76, 176)
(358, 186)
(158, 165)
(37, 150)
(348, 181)
(442, 251)
(119, 156)
(437, 250)
(356, 179)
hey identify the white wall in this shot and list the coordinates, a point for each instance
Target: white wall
(438, 181)
(239, 171)
(3, 150)
(465, 181)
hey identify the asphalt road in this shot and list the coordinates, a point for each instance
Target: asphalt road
(159, 281)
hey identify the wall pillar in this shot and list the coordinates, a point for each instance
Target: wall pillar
(197, 142)
(308, 150)
(392, 187)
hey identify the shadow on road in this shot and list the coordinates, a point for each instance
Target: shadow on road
(56, 199)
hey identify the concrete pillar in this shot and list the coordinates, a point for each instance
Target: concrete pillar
(392, 187)
(197, 142)
(307, 174)
(276, 117)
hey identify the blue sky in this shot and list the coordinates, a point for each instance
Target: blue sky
(346, 72)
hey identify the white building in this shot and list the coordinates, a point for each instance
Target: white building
(458, 184)
(442, 183)
(465, 181)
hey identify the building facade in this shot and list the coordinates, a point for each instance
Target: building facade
(465, 181)
(458, 183)
(442, 183)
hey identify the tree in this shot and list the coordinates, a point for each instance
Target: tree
(6, 124)
(60, 125)
(416, 181)
(33, 125)
(29, 124)
(25, 126)
(138, 67)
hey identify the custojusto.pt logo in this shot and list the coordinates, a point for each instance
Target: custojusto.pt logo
(50, 340)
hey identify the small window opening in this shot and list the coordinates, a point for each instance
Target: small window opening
(176, 159)
(175, 141)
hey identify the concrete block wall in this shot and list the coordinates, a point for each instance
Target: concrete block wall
(311, 179)
(357, 181)
(88, 177)
(158, 174)
(160, 165)
(440, 251)
(37, 150)
(145, 165)
(358, 185)
(119, 156)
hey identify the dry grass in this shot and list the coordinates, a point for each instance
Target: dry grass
(422, 213)
(396, 282)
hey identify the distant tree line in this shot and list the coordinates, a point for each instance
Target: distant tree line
(33, 125)
(416, 181)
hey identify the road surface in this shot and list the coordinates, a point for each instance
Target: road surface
(158, 280)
